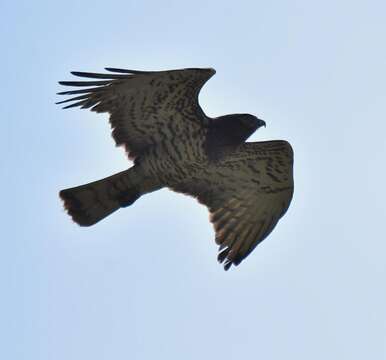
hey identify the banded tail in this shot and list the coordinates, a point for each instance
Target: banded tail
(87, 204)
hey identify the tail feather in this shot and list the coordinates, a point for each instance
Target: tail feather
(87, 204)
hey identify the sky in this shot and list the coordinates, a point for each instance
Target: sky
(144, 283)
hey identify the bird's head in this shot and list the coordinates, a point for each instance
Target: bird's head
(250, 122)
(234, 128)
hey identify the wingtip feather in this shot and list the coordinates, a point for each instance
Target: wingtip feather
(124, 71)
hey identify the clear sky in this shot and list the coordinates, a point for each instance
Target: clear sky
(145, 283)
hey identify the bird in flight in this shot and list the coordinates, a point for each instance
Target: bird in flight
(246, 186)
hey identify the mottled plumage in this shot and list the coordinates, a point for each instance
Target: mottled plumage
(156, 116)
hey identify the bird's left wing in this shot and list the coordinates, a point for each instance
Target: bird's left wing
(246, 192)
(145, 107)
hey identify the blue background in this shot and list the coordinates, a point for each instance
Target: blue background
(144, 283)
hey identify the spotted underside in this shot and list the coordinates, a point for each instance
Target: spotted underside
(157, 118)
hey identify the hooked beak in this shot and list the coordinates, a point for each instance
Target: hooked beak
(261, 122)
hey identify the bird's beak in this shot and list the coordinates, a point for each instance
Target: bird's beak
(262, 123)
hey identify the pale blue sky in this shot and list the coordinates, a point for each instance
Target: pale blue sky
(144, 283)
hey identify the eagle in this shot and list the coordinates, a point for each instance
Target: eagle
(246, 186)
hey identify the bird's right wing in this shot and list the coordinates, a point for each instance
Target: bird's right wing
(247, 192)
(145, 107)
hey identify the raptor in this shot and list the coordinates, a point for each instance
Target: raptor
(156, 116)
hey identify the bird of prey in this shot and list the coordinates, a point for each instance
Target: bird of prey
(156, 116)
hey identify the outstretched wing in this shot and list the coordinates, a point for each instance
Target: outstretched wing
(146, 108)
(247, 192)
